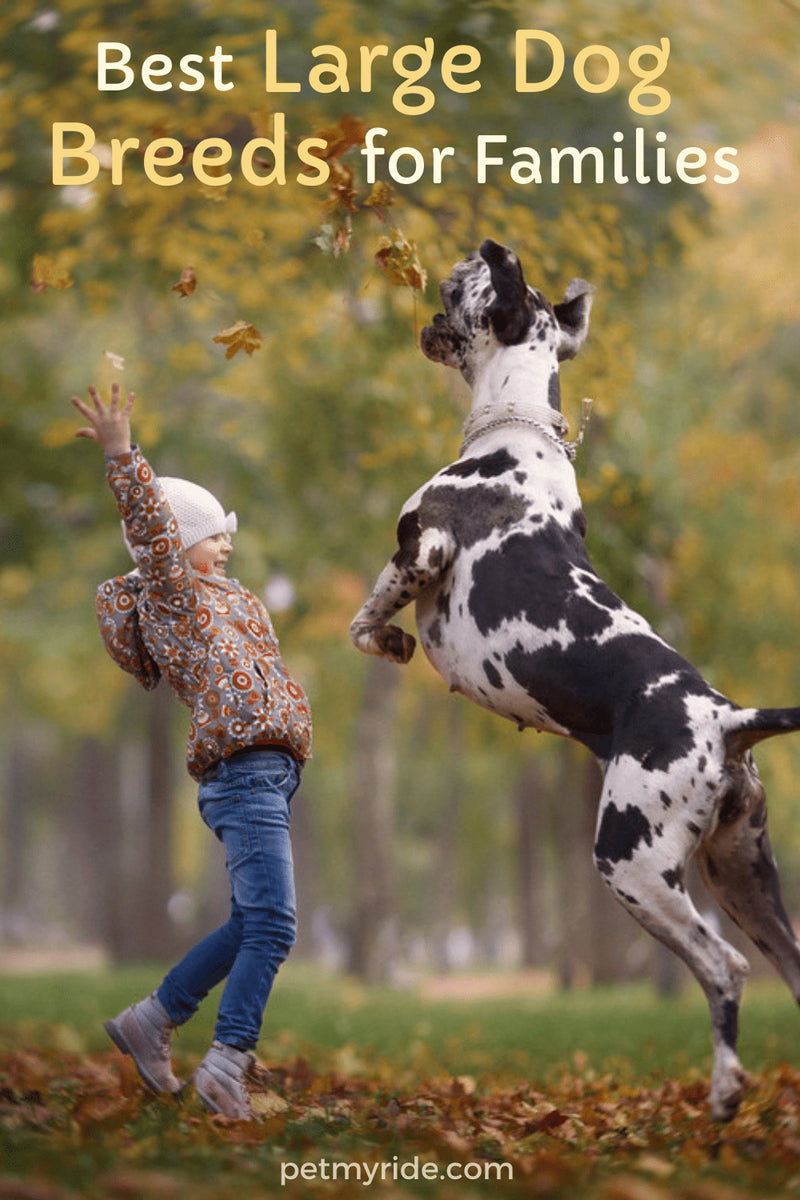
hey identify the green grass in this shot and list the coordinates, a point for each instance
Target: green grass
(590, 1095)
(331, 1020)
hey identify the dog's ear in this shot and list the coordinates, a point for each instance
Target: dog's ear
(438, 342)
(572, 315)
(511, 310)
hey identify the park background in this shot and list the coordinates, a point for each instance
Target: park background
(432, 841)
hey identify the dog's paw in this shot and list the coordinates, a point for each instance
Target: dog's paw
(394, 643)
(727, 1090)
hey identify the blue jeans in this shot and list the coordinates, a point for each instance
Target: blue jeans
(246, 803)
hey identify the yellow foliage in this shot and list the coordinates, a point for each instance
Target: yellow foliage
(16, 584)
(715, 461)
(689, 552)
(58, 432)
(149, 425)
(756, 239)
(50, 272)
(188, 358)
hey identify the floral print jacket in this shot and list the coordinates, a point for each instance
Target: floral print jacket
(209, 637)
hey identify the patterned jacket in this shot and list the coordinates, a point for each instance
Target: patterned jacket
(209, 637)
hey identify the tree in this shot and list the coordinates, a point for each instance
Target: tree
(326, 416)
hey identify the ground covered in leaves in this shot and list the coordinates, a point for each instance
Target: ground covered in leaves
(79, 1126)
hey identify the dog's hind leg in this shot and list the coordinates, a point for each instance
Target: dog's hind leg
(645, 838)
(738, 868)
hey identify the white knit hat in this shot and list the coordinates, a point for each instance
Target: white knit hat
(199, 513)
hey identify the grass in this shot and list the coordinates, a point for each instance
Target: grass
(331, 1019)
(596, 1094)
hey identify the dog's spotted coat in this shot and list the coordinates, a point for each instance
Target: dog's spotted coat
(511, 613)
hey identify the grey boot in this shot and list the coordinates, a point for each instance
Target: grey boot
(220, 1080)
(144, 1030)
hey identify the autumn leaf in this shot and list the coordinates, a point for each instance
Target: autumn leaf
(380, 197)
(398, 258)
(241, 336)
(334, 239)
(342, 194)
(347, 132)
(187, 282)
(582, 1135)
(49, 272)
(268, 1104)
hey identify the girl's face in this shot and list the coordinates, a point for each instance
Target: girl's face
(210, 556)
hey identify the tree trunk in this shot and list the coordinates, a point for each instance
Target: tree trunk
(531, 873)
(16, 836)
(94, 835)
(146, 788)
(304, 849)
(156, 939)
(571, 865)
(443, 885)
(373, 884)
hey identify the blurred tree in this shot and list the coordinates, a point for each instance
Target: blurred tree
(317, 435)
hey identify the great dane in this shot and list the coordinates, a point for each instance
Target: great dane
(512, 615)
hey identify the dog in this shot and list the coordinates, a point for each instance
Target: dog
(513, 616)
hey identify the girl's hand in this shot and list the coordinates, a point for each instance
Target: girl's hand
(110, 425)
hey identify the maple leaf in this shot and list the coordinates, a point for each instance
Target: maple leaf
(49, 272)
(398, 258)
(187, 282)
(347, 132)
(241, 336)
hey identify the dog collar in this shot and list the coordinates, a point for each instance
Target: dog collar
(553, 425)
(531, 422)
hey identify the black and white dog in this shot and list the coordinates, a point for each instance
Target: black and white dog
(511, 613)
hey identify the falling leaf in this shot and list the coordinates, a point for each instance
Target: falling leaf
(380, 197)
(241, 336)
(334, 239)
(347, 132)
(398, 258)
(342, 194)
(49, 272)
(187, 282)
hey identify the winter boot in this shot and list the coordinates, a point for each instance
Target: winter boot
(144, 1030)
(221, 1081)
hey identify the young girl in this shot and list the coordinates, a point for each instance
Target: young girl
(178, 616)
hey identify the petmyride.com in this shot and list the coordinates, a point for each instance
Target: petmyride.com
(393, 1170)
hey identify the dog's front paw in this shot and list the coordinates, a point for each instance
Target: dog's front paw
(394, 643)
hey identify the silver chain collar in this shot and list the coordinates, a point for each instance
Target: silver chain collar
(554, 426)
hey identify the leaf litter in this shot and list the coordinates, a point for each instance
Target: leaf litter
(82, 1125)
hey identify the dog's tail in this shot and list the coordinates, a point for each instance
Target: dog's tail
(750, 725)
